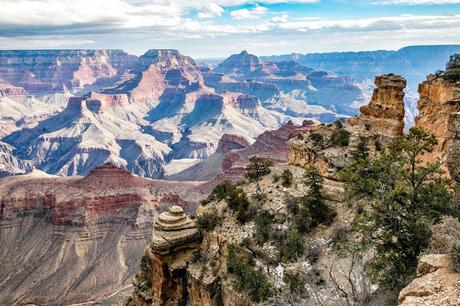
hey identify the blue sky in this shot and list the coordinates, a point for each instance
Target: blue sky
(219, 28)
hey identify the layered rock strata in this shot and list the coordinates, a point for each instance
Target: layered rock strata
(385, 112)
(438, 100)
(174, 238)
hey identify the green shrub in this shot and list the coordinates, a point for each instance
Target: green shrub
(257, 168)
(287, 178)
(317, 139)
(340, 137)
(296, 283)
(455, 253)
(208, 221)
(221, 191)
(263, 222)
(249, 280)
(292, 246)
(313, 207)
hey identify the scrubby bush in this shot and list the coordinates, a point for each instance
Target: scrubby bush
(452, 73)
(263, 222)
(317, 139)
(296, 283)
(208, 221)
(292, 246)
(455, 253)
(249, 280)
(313, 207)
(287, 178)
(340, 137)
(257, 168)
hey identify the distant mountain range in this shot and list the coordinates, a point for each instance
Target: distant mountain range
(67, 111)
(412, 62)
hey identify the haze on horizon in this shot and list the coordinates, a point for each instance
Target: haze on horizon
(211, 29)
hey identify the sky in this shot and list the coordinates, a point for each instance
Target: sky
(216, 29)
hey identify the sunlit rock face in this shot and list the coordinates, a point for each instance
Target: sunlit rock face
(436, 284)
(438, 100)
(385, 112)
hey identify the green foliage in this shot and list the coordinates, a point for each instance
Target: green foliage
(296, 283)
(292, 246)
(221, 191)
(362, 150)
(287, 178)
(249, 280)
(236, 199)
(263, 222)
(208, 221)
(455, 253)
(313, 207)
(404, 198)
(340, 137)
(452, 72)
(257, 168)
(317, 139)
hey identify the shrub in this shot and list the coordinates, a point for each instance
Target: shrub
(314, 210)
(296, 283)
(340, 137)
(249, 280)
(263, 222)
(287, 178)
(257, 168)
(292, 204)
(455, 253)
(316, 138)
(292, 246)
(208, 221)
(339, 123)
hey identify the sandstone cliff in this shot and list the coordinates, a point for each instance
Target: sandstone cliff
(329, 147)
(385, 112)
(436, 284)
(438, 100)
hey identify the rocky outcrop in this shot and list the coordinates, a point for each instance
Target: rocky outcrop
(175, 237)
(385, 112)
(435, 284)
(379, 123)
(439, 99)
(6, 89)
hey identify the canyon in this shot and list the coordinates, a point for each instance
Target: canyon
(106, 158)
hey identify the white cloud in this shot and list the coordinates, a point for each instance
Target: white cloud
(212, 10)
(253, 13)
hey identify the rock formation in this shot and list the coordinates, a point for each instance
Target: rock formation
(385, 112)
(435, 284)
(438, 100)
(6, 89)
(175, 237)
(379, 122)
